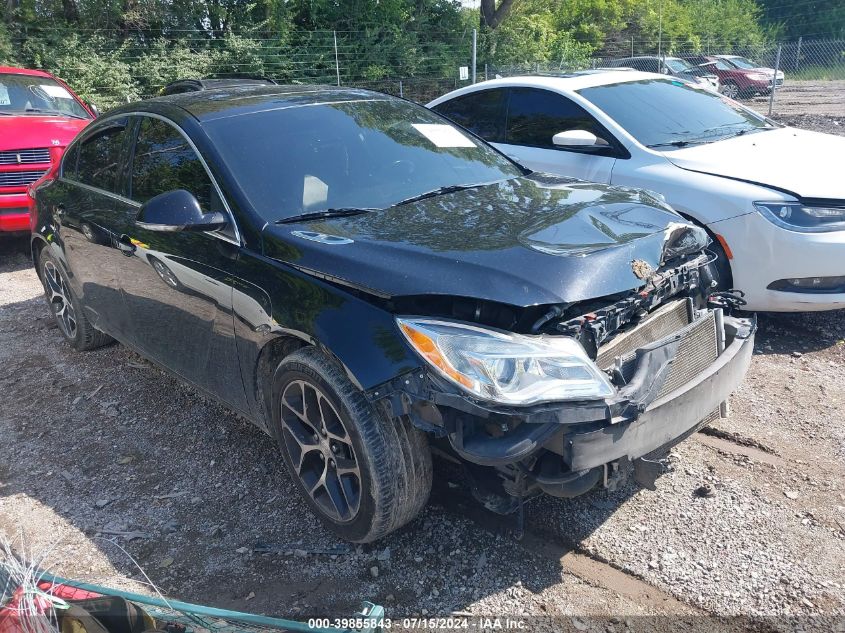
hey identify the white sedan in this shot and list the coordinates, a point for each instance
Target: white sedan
(771, 197)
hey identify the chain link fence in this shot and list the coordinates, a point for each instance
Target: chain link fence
(803, 76)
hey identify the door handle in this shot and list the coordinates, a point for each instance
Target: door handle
(125, 245)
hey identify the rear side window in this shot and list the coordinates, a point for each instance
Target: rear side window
(535, 116)
(99, 156)
(481, 112)
(165, 161)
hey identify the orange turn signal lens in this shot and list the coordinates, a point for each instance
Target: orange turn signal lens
(428, 349)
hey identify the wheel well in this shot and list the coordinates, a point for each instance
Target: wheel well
(36, 247)
(717, 245)
(271, 355)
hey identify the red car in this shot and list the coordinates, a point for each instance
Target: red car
(736, 82)
(39, 116)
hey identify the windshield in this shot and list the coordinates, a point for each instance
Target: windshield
(660, 112)
(349, 155)
(742, 62)
(37, 96)
(678, 65)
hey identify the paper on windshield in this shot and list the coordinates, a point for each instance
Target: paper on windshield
(57, 92)
(443, 135)
(4, 95)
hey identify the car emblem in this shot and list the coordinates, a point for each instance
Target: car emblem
(322, 237)
(20, 160)
(56, 141)
(642, 269)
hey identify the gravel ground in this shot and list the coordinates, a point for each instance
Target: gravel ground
(101, 452)
(820, 98)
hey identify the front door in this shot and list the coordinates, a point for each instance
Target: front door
(534, 116)
(178, 285)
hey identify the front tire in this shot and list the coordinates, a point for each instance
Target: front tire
(67, 308)
(363, 474)
(730, 90)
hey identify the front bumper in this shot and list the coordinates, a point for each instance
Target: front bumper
(14, 212)
(674, 415)
(764, 253)
(673, 389)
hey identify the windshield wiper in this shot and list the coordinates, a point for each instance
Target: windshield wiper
(326, 213)
(55, 113)
(680, 143)
(440, 191)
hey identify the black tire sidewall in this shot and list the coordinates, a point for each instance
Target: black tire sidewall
(359, 527)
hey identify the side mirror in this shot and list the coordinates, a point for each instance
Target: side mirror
(578, 138)
(177, 210)
(94, 109)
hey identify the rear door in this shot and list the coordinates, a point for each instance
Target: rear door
(86, 205)
(178, 285)
(534, 116)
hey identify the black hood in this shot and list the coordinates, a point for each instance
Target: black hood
(534, 240)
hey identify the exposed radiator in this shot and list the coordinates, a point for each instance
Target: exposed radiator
(699, 346)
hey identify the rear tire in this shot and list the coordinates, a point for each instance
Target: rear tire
(362, 473)
(67, 308)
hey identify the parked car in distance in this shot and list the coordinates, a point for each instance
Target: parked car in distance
(736, 83)
(738, 61)
(359, 277)
(771, 197)
(195, 85)
(39, 116)
(673, 66)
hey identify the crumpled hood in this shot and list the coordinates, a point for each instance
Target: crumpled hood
(806, 164)
(534, 240)
(26, 132)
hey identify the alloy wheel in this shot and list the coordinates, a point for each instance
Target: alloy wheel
(730, 90)
(320, 450)
(58, 295)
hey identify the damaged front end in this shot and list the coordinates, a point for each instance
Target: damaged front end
(581, 394)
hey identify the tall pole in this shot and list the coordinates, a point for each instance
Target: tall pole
(774, 80)
(632, 46)
(336, 61)
(660, 30)
(474, 51)
(798, 52)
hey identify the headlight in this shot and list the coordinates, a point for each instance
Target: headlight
(759, 76)
(799, 217)
(507, 368)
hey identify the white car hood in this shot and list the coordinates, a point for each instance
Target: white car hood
(806, 164)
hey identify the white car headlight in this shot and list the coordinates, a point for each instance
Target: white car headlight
(507, 368)
(804, 218)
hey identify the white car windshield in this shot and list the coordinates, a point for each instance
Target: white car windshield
(678, 65)
(667, 112)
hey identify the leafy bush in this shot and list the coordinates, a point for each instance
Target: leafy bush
(94, 68)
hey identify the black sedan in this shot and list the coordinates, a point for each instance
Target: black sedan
(361, 279)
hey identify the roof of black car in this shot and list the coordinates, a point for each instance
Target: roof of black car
(219, 103)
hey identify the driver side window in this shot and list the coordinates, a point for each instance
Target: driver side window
(535, 116)
(164, 161)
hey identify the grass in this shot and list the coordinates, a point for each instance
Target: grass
(819, 73)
